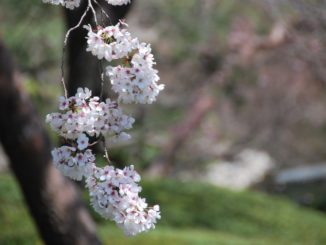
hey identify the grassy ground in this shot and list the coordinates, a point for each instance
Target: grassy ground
(191, 214)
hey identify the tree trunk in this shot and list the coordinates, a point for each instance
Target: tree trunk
(84, 68)
(54, 202)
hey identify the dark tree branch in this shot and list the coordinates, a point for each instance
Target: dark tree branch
(83, 66)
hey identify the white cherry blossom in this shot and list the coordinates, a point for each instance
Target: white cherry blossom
(111, 42)
(82, 141)
(86, 114)
(84, 120)
(136, 83)
(70, 4)
(114, 195)
(118, 2)
(72, 163)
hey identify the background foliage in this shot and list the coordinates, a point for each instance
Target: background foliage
(265, 97)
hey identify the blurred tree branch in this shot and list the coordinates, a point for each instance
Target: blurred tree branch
(201, 105)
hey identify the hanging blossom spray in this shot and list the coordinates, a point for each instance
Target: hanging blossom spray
(84, 120)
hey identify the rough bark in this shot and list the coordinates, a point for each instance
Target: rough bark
(54, 202)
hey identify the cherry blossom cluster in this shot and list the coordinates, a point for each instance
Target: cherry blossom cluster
(71, 4)
(83, 113)
(136, 83)
(118, 2)
(72, 162)
(84, 120)
(114, 194)
(110, 42)
(135, 79)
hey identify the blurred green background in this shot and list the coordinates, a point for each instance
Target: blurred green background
(241, 76)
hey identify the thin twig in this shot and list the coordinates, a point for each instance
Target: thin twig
(106, 154)
(76, 26)
(102, 139)
(102, 79)
(64, 49)
(63, 71)
(103, 11)
(93, 11)
(92, 144)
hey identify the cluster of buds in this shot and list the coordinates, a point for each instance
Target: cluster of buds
(84, 120)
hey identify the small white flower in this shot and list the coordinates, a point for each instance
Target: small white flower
(83, 94)
(63, 103)
(110, 43)
(70, 4)
(74, 166)
(118, 2)
(82, 142)
(87, 114)
(114, 195)
(137, 83)
(55, 2)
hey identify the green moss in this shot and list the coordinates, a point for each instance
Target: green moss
(16, 226)
(167, 235)
(189, 205)
(192, 213)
